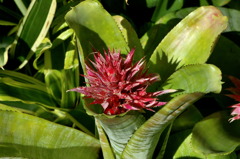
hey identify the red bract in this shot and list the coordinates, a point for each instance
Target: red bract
(118, 85)
(236, 95)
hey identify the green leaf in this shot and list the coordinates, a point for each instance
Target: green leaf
(45, 45)
(21, 6)
(220, 131)
(95, 29)
(39, 15)
(180, 146)
(19, 87)
(130, 36)
(20, 77)
(46, 140)
(187, 119)
(220, 2)
(143, 142)
(164, 6)
(120, 128)
(63, 36)
(106, 147)
(3, 56)
(189, 42)
(203, 78)
(234, 18)
(53, 79)
(7, 23)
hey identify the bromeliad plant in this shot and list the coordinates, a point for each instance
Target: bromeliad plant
(118, 85)
(124, 79)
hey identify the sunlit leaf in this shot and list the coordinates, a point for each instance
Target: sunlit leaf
(45, 140)
(189, 42)
(204, 78)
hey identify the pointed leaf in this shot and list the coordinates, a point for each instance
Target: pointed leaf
(45, 140)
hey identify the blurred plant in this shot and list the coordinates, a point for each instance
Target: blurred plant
(236, 95)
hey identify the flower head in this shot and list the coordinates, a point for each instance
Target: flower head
(236, 95)
(118, 85)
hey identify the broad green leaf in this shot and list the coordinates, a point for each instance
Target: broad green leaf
(233, 17)
(215, 135)
(39, 15)
(27, 136)
(156, 33)
(189, 42)
(180, 146)
(95, 29)
(120, 128)
(203, 78)
(6, 107)
(143, 142)
(220, 2)
(130, 36)
(105, 145)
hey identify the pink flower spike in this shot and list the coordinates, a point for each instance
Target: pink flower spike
(118, 85)
(236, 95)
(235, 113)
